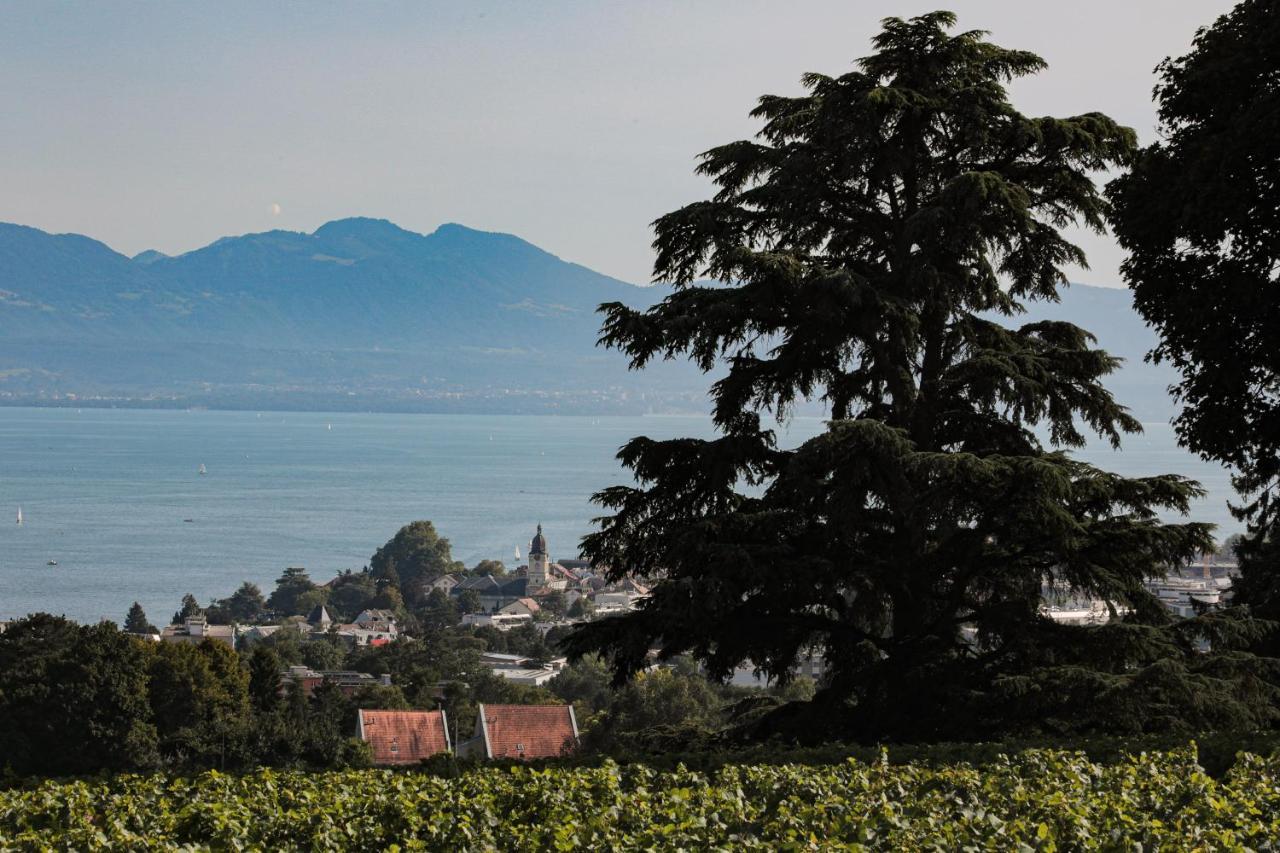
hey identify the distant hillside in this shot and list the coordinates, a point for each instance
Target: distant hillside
(361, 311)
(361, 314)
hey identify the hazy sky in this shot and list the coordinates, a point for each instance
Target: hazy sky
(574, 125)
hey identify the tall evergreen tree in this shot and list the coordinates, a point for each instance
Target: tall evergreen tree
(287, 599)
(1199, 213)
(190, 607)
(875, 245)
(246, 605)
(135, 622)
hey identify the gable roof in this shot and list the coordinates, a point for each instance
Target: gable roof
(527, 731)
(516, 587)
(481, 583)
(375, 616)
(403, 737)
(527, 603)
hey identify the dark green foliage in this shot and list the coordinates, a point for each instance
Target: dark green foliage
(468, 601)
(324, 652)
(287, 644)
(1199, 213)
(586, 684)
(264, 679)
(245, 606)
(524, 640)
(658, 710)
(200, 702)
(865, 241)
(190, 607)
(136, 621)
(416, 555)
(350, 593)
(73, 699)
(294, 593)
(418, 667)
(438, 612)
(489, 567)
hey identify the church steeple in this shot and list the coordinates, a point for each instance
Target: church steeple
(539, 562)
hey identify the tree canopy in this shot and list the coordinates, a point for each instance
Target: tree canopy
(136, 622)
(73, 699)
(416, 555)
(1199, 214)
(294, 594)
(245, 606)
(871, 250)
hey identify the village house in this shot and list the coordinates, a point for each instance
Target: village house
(375, 620)
(494, 593)
(403, 737)
(522, 732)
(445, 583)
(527, 606)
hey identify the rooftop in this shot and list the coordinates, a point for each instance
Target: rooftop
(403, 737)
(528, 731)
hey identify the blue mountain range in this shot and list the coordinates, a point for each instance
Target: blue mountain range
(364, 314)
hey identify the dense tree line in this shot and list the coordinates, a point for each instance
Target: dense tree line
(85, 699)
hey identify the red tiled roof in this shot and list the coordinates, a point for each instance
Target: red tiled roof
(528, 731)
(404, 737)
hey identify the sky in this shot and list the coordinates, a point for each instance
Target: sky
(572, 124)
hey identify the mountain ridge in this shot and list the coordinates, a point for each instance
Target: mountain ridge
(363, 313)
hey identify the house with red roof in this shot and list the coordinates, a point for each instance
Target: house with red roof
(523, 732)
(403, 737)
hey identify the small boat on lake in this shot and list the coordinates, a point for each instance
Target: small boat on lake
(203, 470)
(19, 515)
(52, 563)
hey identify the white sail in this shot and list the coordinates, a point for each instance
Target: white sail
(517, 553)
(203, 470)
(19, 515)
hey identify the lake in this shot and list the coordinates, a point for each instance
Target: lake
(107, 494)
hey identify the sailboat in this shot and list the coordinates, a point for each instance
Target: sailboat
(19, 515)
(329, 427)
(517, 553)
(203, 470)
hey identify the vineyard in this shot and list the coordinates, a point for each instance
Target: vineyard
(1036, 800)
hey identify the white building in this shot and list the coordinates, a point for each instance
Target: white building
(501, 621)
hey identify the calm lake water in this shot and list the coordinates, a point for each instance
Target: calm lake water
(106, 493)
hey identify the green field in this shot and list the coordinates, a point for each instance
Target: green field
(1036, 800)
